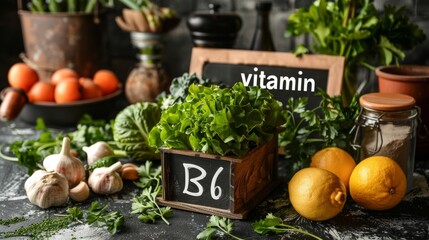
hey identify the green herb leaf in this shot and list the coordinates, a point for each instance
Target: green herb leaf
(216, 224)
(273, 224)
(103, 162)
(148, 208)
(309, 130)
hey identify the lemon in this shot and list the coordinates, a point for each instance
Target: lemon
(378, 183)
(317, 194)
(335, 160)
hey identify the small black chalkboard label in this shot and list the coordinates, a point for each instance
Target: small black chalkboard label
(200, 181)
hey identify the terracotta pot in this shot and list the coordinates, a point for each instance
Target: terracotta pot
(413, 81)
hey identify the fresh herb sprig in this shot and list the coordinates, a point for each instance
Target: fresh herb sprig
(309, 130)
(275, 225)
(10, 221)
(216, 224)
(148, 174)
(145, 204)
(148, 208)
(98, 216)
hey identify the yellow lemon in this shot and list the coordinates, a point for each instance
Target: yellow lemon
(335, 160)
(317, 194)
(378, 183)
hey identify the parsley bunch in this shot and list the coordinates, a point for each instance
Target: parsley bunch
(309, 130)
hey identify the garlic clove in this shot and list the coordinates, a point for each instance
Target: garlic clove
(71, 167)
(80, 193)
(47, 189)
(98, 150)
(106, 180)
(129, 171)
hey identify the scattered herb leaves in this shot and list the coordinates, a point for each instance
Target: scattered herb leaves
(148, 208)
(10, 221)
(216, 224)
(148, 174)
(97, 216)
(273, 224)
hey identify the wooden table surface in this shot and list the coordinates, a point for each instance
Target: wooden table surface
(409, 220)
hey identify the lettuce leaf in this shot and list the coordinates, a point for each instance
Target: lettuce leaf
(131, 130)
(223, 121)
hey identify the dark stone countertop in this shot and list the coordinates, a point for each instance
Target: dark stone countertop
(408, 220)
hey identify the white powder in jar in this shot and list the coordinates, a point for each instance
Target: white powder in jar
(396, 144)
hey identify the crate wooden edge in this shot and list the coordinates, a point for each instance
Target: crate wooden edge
(239, 214)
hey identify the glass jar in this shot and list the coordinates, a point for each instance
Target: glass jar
(148, 78)
(387, 126)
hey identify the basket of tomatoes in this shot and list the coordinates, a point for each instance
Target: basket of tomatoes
(62, 99)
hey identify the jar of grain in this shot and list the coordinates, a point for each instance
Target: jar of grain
(387, 126)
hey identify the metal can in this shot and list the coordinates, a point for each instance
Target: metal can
(387, 126)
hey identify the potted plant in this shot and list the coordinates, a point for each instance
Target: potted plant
(354, 29)
(230, 135)
(61, 33)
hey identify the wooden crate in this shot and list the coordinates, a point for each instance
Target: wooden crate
(218, 185)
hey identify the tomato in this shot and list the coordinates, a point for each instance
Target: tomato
(22, 76)
(62, 74)
(107, 81)
(67, 90)
(90, 90)
(41, 92)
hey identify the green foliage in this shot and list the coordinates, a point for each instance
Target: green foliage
(219, 120)
(146, 206)
(179, 89)
(354, 29)
(148, 174)
(103, 162)
(131, 130)
(96, 216)
(31, 152)
(275, 225)
(309, 130)
(216, 223)
(71, 6)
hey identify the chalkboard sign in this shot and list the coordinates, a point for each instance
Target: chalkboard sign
(218, 185)
(197, 180)
(283, 74)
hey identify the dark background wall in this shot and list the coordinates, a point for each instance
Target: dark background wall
(120, 56)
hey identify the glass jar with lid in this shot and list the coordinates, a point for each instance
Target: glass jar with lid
(387, 126)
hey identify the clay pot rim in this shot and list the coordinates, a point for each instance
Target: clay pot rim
(418, 73)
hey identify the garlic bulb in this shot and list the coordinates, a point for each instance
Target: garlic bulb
(47, 189)
(72, 168)
(106, 180)
(98, 150)
(80, 193)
